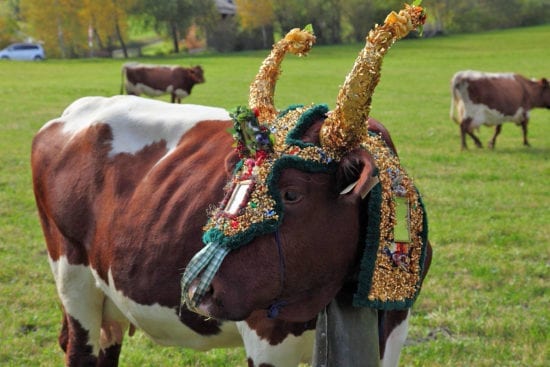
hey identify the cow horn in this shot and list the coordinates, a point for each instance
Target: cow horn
(262, 89)
(345, 128)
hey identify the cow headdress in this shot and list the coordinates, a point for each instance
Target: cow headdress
(269, 141)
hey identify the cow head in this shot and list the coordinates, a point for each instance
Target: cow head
(197, 74)
(294, 218)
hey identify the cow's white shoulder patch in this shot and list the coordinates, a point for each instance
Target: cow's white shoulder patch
(136, 122)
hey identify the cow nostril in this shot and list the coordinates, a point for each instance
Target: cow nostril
(210, 299)
(207, 293)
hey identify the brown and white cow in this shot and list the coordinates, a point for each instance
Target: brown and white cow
(123, 185)
(491, 99)
(156, 80)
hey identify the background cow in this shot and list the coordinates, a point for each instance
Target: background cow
(494, 98)
(122, 186)
(155, 80)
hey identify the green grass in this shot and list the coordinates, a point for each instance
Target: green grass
(486, 299)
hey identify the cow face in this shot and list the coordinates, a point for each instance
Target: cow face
(294, 235)
(197, 74)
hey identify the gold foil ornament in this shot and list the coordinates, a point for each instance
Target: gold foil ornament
(250, 208)
(262, 89)
(346, 127)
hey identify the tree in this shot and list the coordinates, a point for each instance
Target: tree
(57, 24)
(174, 17)
(257, 14)
(327, 19)
(324, 15)
(359, 15)
(534, 12)
(454, 16)
(108, 21)
(8, 22)
(64, 25)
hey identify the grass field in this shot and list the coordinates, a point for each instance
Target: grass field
(486, 300)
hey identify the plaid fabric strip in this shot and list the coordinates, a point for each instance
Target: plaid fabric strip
(208, 259)
(208, 273)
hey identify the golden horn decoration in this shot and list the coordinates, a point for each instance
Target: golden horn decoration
(346, 127)
(262, 89)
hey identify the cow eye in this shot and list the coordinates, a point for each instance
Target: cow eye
(291, 196)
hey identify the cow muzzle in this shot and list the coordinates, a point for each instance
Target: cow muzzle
(198, 275)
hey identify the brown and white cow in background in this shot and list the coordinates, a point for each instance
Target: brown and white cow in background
(123, 185)
(481, 98)
(156, 80)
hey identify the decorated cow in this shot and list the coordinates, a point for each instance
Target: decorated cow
(297, 209)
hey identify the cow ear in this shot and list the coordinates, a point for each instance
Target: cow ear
(357, 174)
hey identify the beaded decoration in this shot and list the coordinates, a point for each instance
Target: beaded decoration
(251, 205)
(390, 271)
(395, 244)
(391, 268)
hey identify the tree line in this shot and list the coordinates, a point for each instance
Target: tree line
(80, 28)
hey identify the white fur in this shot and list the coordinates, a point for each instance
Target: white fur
(136, 122)
(105, 312)
(82, 294)
(292, 351)
(141, 88)
(135, 64)
(480, 113)
(473, 74)
(162, 324)
(181, 93)
(80, 297)
(395, 343)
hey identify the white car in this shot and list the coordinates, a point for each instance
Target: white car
(23, 51)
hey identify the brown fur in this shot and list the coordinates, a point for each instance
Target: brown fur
(511, 95)
(160, 78)
(142, 217)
